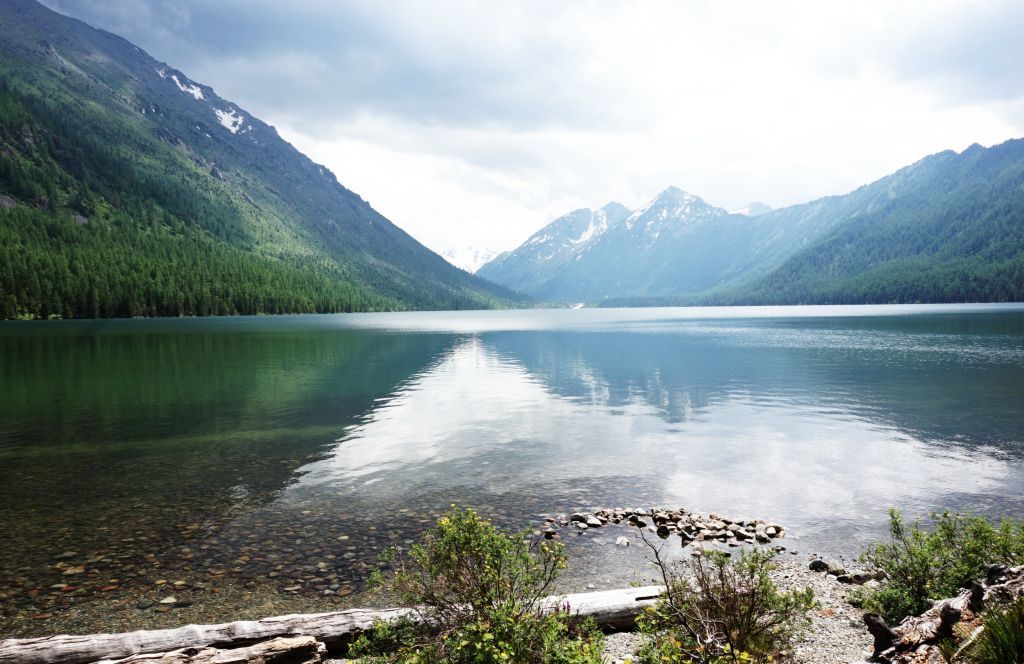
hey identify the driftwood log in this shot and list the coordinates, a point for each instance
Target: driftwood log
(610, 609)
(295, 650)
(929, 628)
(915, 640)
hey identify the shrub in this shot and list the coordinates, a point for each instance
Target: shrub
(1002, 642)
(924, 565)
(719, 610)
(477, 591)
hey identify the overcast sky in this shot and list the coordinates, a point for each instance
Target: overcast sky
(475, 123)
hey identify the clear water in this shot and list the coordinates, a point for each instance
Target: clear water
(286, 452)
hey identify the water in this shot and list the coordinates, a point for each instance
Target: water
(279, 455)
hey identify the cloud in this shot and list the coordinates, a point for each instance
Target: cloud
(477, 122)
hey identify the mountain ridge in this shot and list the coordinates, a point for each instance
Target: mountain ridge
(95, 128)
(778, 256)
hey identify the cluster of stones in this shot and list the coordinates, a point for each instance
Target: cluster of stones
(842, 575)
(689, 526)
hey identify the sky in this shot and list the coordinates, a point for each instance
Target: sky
(475, 123)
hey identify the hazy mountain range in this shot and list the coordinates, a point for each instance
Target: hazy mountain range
(128, 188)
(947, 228)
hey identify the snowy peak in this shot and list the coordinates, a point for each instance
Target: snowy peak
(616, 211)
(672, 207)
(558, 242)
(574, 229)
(754, 209)
(469, 259)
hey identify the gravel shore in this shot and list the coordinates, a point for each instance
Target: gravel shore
(837, 634)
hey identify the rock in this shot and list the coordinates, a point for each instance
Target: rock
(770, 531)
(143, 604)
(578, 517)
(818, 565)
(581, 525)
(663, 531)
(835, 568)
(67, 555)
(621, 541)
(169, 600)
(549, 533)
(593, 522)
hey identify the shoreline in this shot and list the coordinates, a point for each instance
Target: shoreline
(837, 635)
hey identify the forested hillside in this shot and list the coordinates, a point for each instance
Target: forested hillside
(956, 235)
(949, 228)
(126, 189)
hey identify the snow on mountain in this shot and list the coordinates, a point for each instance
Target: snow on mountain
(188, 87)
(553, 245)
(754, 209)
(230, 119)
(586, 256)
(667, 213)
(469, 259)
(572, 231)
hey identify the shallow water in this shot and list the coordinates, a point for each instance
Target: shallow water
(279, 455)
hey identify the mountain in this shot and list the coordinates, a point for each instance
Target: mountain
(530, 266)
(469, 259)
(947, 228)
(675, 243)
(753, 209)
(127, 188)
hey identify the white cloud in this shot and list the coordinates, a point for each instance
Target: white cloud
(476, 123)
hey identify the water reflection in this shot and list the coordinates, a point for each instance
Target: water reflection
(821, 426)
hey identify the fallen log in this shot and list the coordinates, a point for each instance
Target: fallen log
(611, 609)
(931, 627)
(296, 650)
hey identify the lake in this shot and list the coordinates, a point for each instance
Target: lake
(262, 463)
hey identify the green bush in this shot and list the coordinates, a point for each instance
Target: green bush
(477, 591)
(719, 610)
(923, 565)
(1002, 642)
